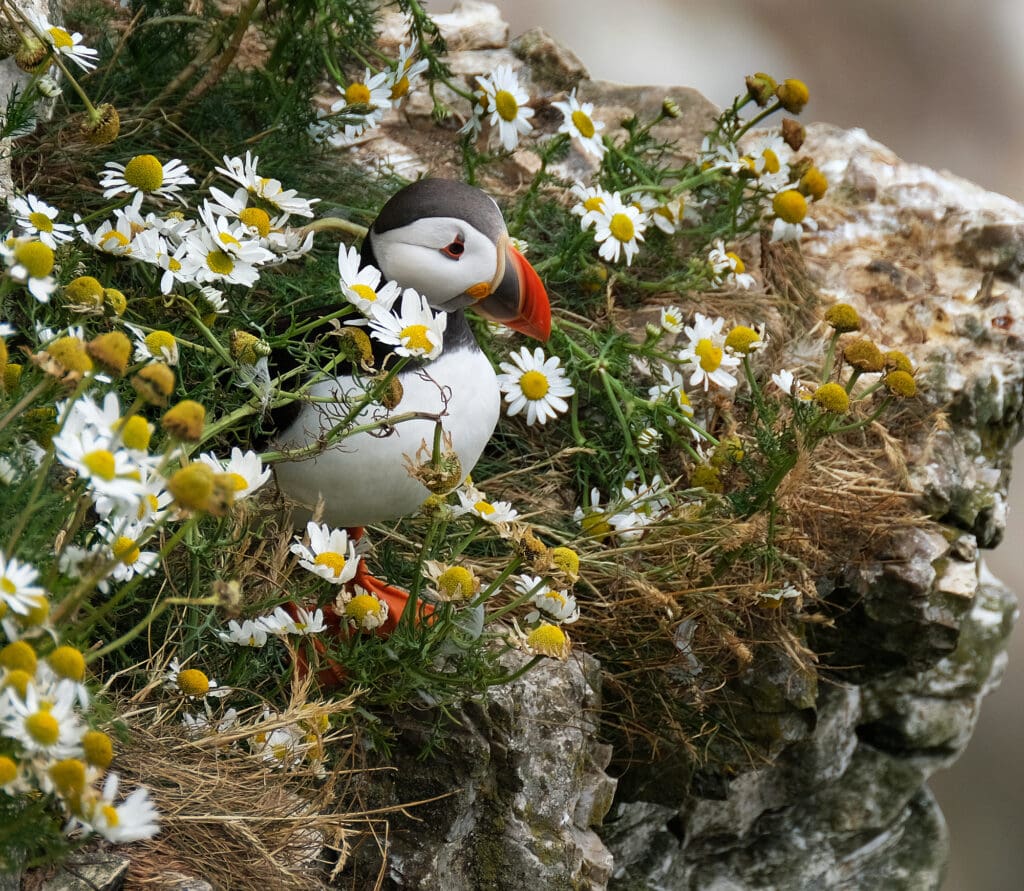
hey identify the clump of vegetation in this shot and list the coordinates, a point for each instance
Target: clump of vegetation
(662, 491)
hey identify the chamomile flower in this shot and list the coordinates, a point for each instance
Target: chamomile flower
(642, 504)
(535, 383)
(306, 622)
(123, 543)
(671, 319)
(707, 354)
(363, 103)
(18, 589)
(769, 155)
(790, 208)
(37, 218)
(147, 175)
(49, 727)
(223, 257)
(245, 469)
(450, 583)
(68, 45)
(415, 331)
(361, 286)
(555, 605)
(110, 472)
(154, 346)
(618, 229)
(580, 124)
(279, 623)
(727, 268)
(330, 553)
(366, 611)
(192, 682)
(116, 236)
(505, 103)
(403, 77)
(784, 380)
(149, 246)
(133, 819)
(250, 633)
(670, 215)
(648, 440)
(591, 204)
(593, 519)
(244, 172)
(30, 262)
(473, 501)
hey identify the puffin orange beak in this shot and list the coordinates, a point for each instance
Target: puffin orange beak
(520, 300)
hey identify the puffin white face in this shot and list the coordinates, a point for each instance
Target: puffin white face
(446, 259)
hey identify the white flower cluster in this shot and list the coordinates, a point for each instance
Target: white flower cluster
(638, 505)
(42, 706)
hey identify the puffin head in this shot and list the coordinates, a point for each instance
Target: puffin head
(449, 242)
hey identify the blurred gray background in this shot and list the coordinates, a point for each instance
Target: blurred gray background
(941, 83)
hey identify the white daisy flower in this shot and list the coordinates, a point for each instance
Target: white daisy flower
(591, 203)
(535, 383)
(135, 818)
(69, 46)
(505, 103)
(784, 380)
(147, 175)
(618, 228)
(671, 319)
(192, 682)
(648, 440)
(580, 124)
(670, 215)
(250, 633)
(727, 268)
(30, 262)
(361, 286)
(200, 725)
(307, 622)
(150, 246)
(50, 728)
(553, 604)
(415, 331)
(113, 473)
(159, 346)
(330, 554)
(472, 501)
(243, 171)
(18, 589)
(790, 208)
(123, 544)
(209, 259)
(644, 503)
(153, 504)
(279, 622)
(769, 154)
(245, 469)
(363, 103)
(673, 389)
(402, 78)
(366, 611)
(706, 352)
(592, 519)
(37, 218)
(116, 236)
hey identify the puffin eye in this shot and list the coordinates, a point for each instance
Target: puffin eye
(455, 249)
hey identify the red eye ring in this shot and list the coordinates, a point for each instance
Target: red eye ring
(454, 250)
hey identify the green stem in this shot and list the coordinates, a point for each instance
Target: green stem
(143, 624)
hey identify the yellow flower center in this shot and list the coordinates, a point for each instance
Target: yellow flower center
(710, 355)
(220, 263)
(110, 815)
(192, 682)
(557, 596)
(506, 105)
(126, 550)
(228, 239)
(790, 206)
(534, 385)
(117, 239)
(400, 88)
(332, 560)
(148, 505)
(415, 337)
(832, 398)
(67, 662)
(61, 39)
(41, 221)
(256, 218)
(36, 257)
(43, 728)
(361, 606)
(583, 123)
(365, 292)
(18, 681)
(100, 463)
(357, 94)
(237, 481)
(741, 339)
(19, 656)
(38, 614)
(738, 266)
(69, 777)
(771, 161)
(135, 432)
(621, 227)
(595, 525)
(7, 586)
(97, 748)
(566, 560)
(547, 639)
(595, 203)
(8, 770)
(484, 508)
(145, 173)
(456, 582)
(158, 341)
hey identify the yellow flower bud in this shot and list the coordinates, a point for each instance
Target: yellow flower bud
(832, 398)
(154, 383)
(67, 662)
(549, 640)
(793, 95)
(843, 318)
(84, 291)
(185, 420)
(813, 184)
(98, 749)
(115, 300)
(19, 656)
(192, 486)
(863, 355)
(112, 350)
(900, 383)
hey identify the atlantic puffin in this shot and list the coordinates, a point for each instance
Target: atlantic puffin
(449, 242)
